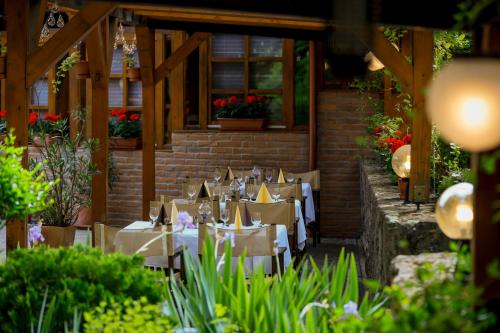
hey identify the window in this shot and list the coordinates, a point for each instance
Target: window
(247, 65)
(123, 93)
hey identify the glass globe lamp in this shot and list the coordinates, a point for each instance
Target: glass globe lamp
(454, 211)
(464, 103)
(401, 161)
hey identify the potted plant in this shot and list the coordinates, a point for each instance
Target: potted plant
(125, 130)
(234, 115)
(71, 61)
(133, 73)
(3, 61)
(3, 124)
(46, 129)
(69, 167)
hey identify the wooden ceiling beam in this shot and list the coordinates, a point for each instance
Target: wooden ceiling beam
(36, 16)
(227, 17)
(55, 48)
(392, 59)
(179, 55)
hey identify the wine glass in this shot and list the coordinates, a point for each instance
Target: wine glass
(224, 215)
(205, 209)
(275, 193)
(239, 176)
(191, 192)
(217, 175)
(269, 175)
(154, 211)
(256, 172)
(256, 219)
(250, 192)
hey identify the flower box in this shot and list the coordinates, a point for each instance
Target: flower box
(116, 143)
(134, 74)
(58, 236)
(47, 140)
(243, 124)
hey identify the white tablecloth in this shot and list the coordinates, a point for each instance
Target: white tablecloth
(309, 202)
(189, 238)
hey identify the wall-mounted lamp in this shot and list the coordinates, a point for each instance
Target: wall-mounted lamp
(401, 164)
(454, 211)
(464, 103)
(373, 63)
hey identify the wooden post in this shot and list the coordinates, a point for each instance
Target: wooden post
(159, 91)
(16, 97)
(177, 84)
(288, 82)
(423, 42)
(486, 232)
(74, 102)
(312, 106)
(203, 99)
(146, 51)
(51, 75)
(99, 120)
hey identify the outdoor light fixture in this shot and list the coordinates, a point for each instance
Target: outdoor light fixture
(373, 63)
(401, 164)
(454, 211)
(464, 103)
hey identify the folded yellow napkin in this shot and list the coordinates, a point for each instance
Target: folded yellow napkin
(207, 188)
(281, 177)
(230, 173)
(173, 216)
(264, 196)
(237, 219)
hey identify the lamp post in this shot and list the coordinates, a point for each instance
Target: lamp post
(401, 164)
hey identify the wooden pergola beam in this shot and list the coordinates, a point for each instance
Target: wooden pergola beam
(392, 59)
(37, 14)
(99, 121)
(146, 52)
(201, 15)
(422, 60)
(177, 86)
(179, 55)
(16, 98)
(55, 48)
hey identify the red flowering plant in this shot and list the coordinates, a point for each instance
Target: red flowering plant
(3, 121)
(124, 123)
(51, 124)
(254, 107)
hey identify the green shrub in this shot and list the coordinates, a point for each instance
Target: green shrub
(299, 301)
(129, 317)
(79, 278)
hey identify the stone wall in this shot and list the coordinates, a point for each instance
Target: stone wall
(391, 228)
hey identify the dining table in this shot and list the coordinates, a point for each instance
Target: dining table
(131, 238)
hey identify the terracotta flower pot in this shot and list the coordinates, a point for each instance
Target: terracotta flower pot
(3, 65)
(58, 236)
(116, 143)
(134, 74)
(244, 124)
(82, 70)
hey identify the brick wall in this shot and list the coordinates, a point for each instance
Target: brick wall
(339, 123)
(196, 154)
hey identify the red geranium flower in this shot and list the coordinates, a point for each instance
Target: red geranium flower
(122, 117)
(407, 138)
(33, 118)
(52, 117)
(217, 102)
(223, 103)
(377, 130)
(115, 112)
(3, 114)
(261, 99)
(233, 100)
(135, 117)
(396, 144)
(251, 99)
(398, 133)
